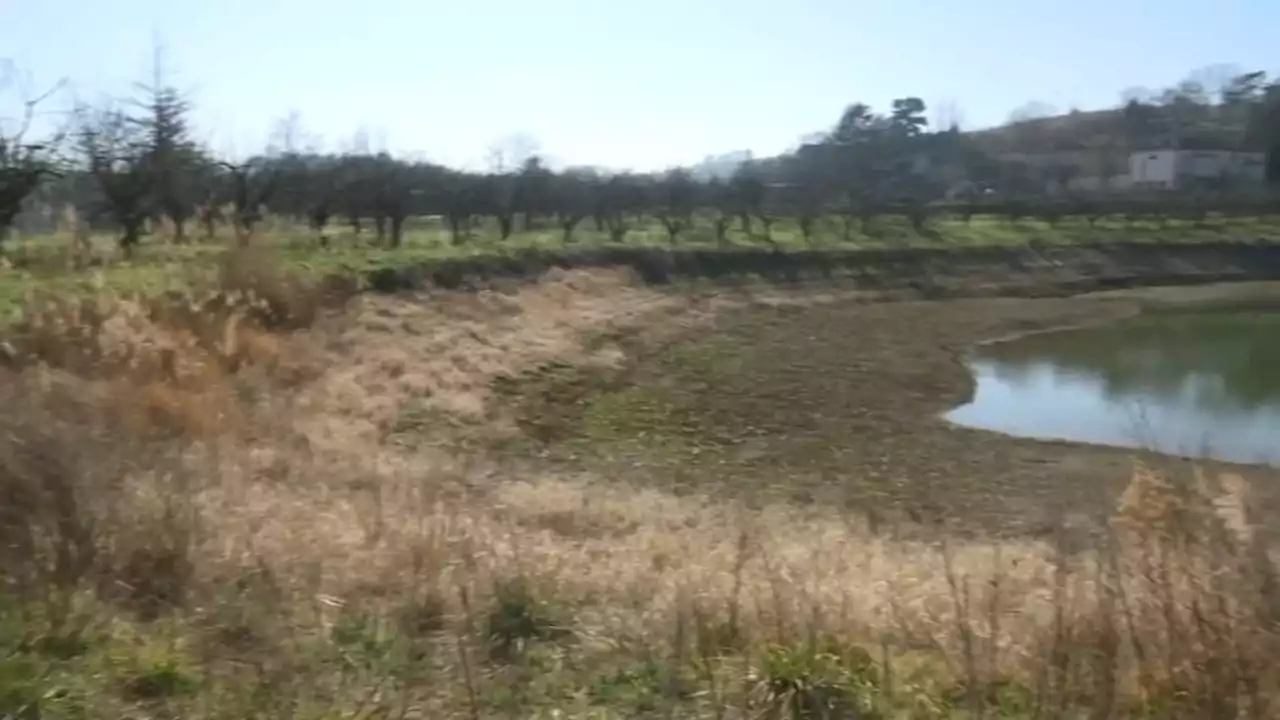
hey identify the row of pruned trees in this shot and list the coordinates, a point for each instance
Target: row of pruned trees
(121, 173)
(133, 162)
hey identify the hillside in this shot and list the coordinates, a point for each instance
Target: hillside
(1071, 131)
(1244, 114)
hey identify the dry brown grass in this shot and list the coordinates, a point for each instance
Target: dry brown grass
(286, 550)
(170, 363)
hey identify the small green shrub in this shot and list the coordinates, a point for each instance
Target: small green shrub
(159, 680)
(364, 641)
(518, 616)
(641, 687)
(807, 682)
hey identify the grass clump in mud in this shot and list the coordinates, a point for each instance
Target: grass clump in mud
(636, 414)
(305, 564)
(650, 406)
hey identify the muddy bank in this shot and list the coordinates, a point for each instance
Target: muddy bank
(1026, 270)
(839, 404)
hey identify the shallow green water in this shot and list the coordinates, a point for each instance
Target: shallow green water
(1202, 383)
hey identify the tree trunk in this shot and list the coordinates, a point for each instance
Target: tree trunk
(319, 221)
(506, 221)
(673, 226)
(617, 228)
(722, 230)
(456, 221)
(397, 230)
(767, 224)
(806, 228)
(132, 232)
(209, 219)
(244, 226)
(847, 221)
(568, 223)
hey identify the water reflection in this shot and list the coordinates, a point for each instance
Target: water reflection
(1202, 383)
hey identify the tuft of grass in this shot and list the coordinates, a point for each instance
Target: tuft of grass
(807, 683)
(518, 616)
(160, 680)
(641, 688)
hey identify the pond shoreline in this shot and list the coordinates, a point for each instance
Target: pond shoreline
(1177, 425)
(1145, 300)
(855, 420)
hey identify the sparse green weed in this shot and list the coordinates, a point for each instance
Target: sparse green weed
(806, 683)
(519, 616)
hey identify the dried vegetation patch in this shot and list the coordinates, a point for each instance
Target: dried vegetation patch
(320, 526)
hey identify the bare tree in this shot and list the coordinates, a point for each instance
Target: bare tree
(720, 197)
(117, 153)
(677, 198)
(320, 185)
(617, 197)
(462, 197)
(355, 193)
(535, 191)
(745, 195)
(252, 185)
(812, 180)
(208, 214)
(513, 162)
(575, 199)
(502, 193)
(392, 193)
(24, 163)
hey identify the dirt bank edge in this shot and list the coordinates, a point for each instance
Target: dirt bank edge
(935, 272)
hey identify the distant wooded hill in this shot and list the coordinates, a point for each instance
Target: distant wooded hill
(901, 150)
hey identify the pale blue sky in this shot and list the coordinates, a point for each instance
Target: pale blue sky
(622, 83)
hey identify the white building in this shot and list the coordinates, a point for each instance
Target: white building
(1180, 169)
